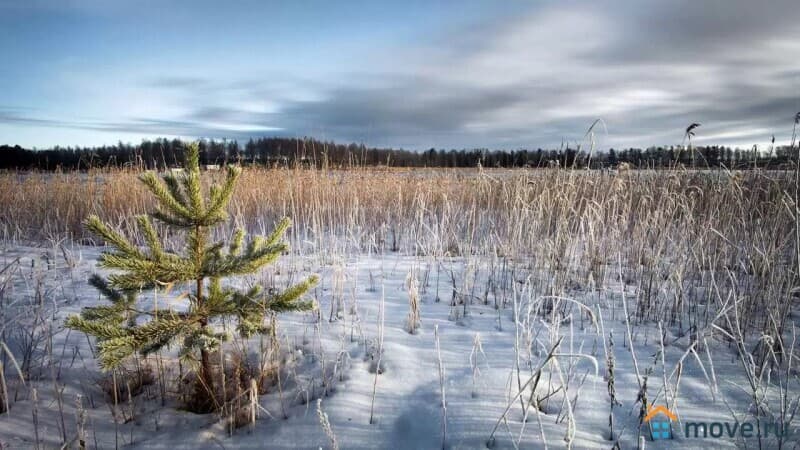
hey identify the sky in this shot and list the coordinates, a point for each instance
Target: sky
(411, 74)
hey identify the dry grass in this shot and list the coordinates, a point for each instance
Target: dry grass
(674, 232)
(667, 224)
(710, 255)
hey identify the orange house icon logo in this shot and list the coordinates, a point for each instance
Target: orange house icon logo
(660, 428)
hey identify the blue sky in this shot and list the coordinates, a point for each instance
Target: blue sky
(403, 74)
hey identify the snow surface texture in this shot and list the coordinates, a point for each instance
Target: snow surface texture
(332, 355)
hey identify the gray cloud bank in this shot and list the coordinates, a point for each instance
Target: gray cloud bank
(647, 68)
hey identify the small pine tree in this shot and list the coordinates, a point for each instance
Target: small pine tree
(123, 329)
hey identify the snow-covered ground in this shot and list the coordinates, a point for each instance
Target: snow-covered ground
(334, 360)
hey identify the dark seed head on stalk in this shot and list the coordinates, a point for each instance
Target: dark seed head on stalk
(690, 129)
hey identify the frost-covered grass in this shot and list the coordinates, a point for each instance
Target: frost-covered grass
(534, 282)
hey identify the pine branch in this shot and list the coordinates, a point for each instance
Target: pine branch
(164, 217)
(174, 188)
(151, 237)
(168, 203)
(191, 181)
(277, 234)
(111, 315)
(113, 352)
(204, 339)
(96, 226)
(236, 242)
(101, 330)
(288, 299)
(113, 295)
(221, 196)
(144, 272)
(253, 259)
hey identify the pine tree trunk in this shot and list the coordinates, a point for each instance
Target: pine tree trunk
(205, 363)
(205, 379)
(204, 391)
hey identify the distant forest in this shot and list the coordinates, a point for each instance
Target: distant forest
(287, 152)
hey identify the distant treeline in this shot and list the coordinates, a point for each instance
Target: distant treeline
(286, 152)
